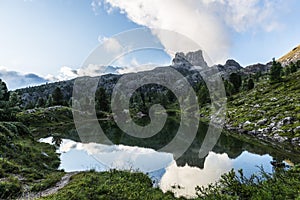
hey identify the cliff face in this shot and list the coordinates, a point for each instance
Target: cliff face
(190, 59)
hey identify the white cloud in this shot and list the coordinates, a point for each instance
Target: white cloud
(95, 5)
(65, 73)
(247, 15)
(134, 66)
(112, 45)
(207, 22)
(137, 68)
(15, 80)
(189, 177)
(118, 156)
(92, 70)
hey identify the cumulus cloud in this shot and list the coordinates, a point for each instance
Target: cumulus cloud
(95, 5)
(189, 177)
(112, 45)
(15, 80)
(67, 73)
(133, 66)
(97, 70)
(247, 15)
(117, 156)
(207, 22)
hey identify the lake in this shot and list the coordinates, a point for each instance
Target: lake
(180, 176)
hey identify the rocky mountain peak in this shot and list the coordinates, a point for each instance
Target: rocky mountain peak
(232, 63)
(190, 59)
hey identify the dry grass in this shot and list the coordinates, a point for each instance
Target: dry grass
(293, 55)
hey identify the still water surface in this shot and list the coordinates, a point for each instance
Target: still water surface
(180, 176)
(76, 156)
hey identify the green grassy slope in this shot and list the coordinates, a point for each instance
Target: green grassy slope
(268, 108)
(110, 185)
(44, 122)
(25, 164)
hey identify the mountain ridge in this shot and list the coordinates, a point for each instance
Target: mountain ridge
(292, 56)
(181, 62)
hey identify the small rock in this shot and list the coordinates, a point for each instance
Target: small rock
(274, 129)
(260, 131)
(262, 121)
(288, 120)
(266, 130)
(253, 132)
(279, 138)
(297, 129)
(262, 112)
(140, 115)
(273, 124)
(273, 99)
(296, 140)
(279, 131)
(247, 123)
(273, 119)
(285, 121)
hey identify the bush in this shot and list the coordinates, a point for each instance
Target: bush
(280, 185)
(10, 188)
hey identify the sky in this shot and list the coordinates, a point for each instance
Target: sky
(52, 38)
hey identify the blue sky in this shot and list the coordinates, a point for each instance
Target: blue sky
(50, 37)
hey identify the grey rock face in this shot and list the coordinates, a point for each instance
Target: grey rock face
(262, 68)
(232, 63)
(189, 59)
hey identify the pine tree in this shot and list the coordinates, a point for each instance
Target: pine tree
(298, 64)
(276, 71)
(57, 96)
(41, 102)
(229, 88)
(101, 100)
(4, 94)
(49, 101)
(236, 81)
(4, 105)
(293, 67)
(14, 99)
(171, 96)
(203, 94)
(287, 70)
(250, 84)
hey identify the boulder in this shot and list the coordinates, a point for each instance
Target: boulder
(285, 121)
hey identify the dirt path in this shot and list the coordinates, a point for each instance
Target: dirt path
(62, 183)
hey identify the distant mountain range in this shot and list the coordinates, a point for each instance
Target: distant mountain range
(181, 62)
